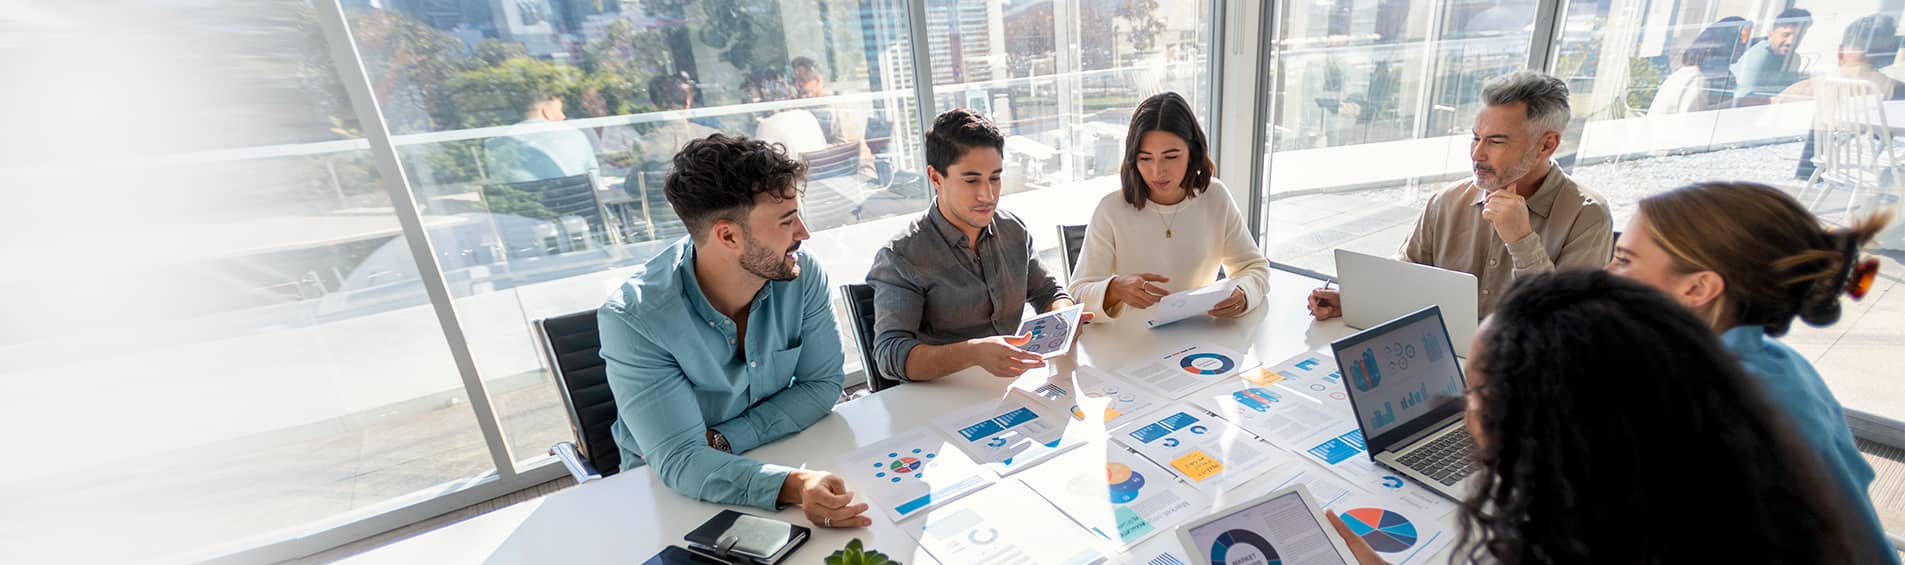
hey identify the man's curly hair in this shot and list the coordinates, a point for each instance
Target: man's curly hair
(716, 178)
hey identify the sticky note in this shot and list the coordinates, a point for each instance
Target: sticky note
(1261, 377)
(1197, 465)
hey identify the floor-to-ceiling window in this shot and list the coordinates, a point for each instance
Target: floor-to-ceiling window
(1659, 106)
(1370, 105)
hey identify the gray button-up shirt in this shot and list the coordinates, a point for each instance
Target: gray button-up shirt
(931, 287)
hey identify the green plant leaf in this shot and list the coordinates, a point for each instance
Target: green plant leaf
(855, 553)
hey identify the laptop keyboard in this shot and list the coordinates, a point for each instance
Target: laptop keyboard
(1448, 459)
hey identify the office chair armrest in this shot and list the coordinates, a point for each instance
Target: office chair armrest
(572, 460)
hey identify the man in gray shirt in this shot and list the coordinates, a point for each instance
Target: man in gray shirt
(949, 290)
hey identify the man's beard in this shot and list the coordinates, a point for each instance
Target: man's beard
(768, 264)
(1504, 178)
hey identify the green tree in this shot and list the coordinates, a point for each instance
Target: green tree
(1143, 17)
(1142, 28)
(499, 94)
(748, 33)
(494, 51)
(618, 67)
(410, 66)
(1643, 82)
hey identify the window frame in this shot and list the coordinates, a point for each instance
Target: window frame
(1241, 82)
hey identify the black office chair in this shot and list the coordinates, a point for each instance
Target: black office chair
(1071, 239)
(834, 161)
(572, 345)
(569, 204)
(859, 300)
(663, 224)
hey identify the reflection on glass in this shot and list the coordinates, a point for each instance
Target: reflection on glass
(1372, 101)
(1649, 80)
(1064, 112)
(543, 132)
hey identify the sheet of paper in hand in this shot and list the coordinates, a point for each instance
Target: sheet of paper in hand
(1181, 305)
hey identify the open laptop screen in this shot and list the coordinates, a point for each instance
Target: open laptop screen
(1401, 375)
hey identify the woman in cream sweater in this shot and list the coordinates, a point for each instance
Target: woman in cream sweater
(1170, 227)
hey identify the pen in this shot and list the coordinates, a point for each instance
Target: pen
(1326, 286)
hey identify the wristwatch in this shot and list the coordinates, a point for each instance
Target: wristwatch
(718, 441)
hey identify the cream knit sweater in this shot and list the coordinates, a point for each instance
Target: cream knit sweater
(1207, 232)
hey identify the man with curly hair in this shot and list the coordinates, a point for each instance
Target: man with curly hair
(726, 340)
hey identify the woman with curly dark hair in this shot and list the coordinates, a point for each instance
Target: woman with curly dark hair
(1614, 427)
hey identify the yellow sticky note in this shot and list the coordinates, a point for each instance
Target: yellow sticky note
(1197, 465)
(1262, 377)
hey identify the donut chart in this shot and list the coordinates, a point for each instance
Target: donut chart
(1220, 550)
(1386, 531)
(1206, 364)
(1123, 482)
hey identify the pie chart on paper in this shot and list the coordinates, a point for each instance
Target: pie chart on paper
(1206, 364)
(1386, 531)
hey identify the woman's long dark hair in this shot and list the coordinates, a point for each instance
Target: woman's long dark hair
(1619, 430)
(1166, 112)
(1714, 51)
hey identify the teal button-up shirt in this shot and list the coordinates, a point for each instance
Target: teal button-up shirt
(1790, 382)
(676, 371)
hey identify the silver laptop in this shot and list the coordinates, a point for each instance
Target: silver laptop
(1407, 391)
(1378, 289)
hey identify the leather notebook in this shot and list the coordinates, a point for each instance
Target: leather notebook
(746, 538)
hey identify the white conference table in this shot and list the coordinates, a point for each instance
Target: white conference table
(628, 517)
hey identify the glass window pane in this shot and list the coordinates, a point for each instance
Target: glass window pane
(539, 133)
(1670, 95)
(206, 346)
(1372, 101)
(1060, 78)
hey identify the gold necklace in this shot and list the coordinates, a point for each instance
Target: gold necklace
(1167, 221)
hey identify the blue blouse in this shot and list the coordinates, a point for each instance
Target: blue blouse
(1791, 383)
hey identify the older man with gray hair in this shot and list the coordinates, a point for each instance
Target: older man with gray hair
(1518, 214)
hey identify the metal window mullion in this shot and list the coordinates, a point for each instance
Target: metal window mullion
(922, 70)
(1542, 46)
(1425, 80)
(1214, 85)
(1067, 86)
(1265, 93)
(356, 81)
